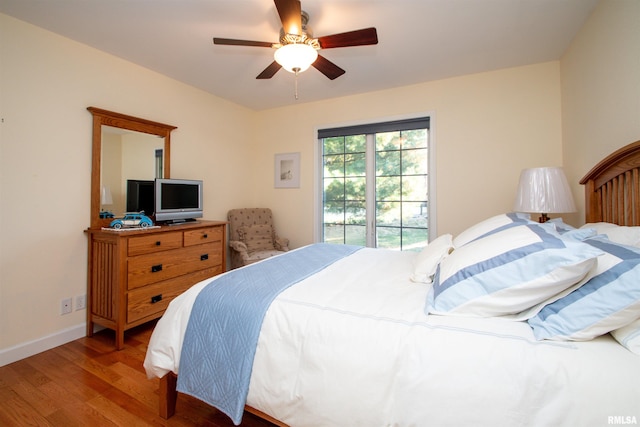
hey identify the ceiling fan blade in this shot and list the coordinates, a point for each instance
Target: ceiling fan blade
(328, 68)
(270, 71)
(362, 37)
(290, 12)
(234, 42)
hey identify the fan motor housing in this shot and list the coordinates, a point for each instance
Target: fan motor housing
(307, 32)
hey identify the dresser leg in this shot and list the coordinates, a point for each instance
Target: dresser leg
(119, 339)
(89, 328)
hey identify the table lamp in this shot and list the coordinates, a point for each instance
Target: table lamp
(544, 190)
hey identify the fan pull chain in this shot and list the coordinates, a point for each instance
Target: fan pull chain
(296, 71)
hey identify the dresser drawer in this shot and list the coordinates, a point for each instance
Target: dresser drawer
(154, 243)
(153, 299)
(203, 235)
(133, 276)
(151, 268)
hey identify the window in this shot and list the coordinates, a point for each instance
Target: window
(375, 184)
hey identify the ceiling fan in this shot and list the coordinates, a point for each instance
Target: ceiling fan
(297, 49)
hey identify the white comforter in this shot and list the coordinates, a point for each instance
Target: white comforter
(351, 346)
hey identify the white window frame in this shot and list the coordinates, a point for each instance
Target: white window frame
(318, 182)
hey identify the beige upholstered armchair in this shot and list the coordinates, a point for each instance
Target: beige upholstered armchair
(252, 236)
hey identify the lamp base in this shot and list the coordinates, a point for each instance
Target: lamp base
(543, 218)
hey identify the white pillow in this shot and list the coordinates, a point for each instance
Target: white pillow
(629, 336)
(428, 259)
(608, 300)
(576, 235)
(508, 272)
(624, 235)
(489, 225)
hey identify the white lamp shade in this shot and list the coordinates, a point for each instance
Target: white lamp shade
(544, 190)
(295, 57)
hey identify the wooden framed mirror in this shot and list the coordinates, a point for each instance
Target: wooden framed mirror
(110, 123)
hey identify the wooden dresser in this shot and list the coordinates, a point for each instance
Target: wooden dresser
(134, 274)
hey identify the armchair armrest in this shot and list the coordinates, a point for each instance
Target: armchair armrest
(238, 246)
(281, 244)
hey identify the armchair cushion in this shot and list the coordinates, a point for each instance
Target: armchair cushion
(257, 237)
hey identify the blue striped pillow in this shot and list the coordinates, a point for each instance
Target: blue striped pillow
(508, 272)
(491, 225)
(629, 336)
(609, 299)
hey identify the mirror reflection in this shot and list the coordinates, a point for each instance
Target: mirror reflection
(124, 148)
(127, 156)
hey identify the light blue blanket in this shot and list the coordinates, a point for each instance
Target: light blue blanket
(221, 337)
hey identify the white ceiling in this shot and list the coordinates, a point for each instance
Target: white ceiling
(419, 40)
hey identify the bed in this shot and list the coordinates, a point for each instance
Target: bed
(372, 337)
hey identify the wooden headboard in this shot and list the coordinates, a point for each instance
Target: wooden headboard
(612, 188)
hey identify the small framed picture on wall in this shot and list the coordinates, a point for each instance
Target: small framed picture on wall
(287, 170)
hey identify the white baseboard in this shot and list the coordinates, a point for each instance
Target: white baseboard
(24, 350)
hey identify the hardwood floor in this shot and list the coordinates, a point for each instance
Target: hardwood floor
(87, 382)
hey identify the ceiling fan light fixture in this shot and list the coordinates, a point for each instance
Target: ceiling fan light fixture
(296, 57)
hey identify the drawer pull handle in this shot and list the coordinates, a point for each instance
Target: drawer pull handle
(156, 268)
(158, 243)
(204, 257)
(205, 236)
(156, 298)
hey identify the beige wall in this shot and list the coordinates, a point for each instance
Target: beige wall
(486, 127)
(111, 177)
(601, 88)
(46, 84)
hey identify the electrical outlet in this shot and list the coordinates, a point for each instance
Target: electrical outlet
(81, 302)
(66, 306)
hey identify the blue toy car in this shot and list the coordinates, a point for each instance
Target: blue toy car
(106, 214)
(132, 219)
